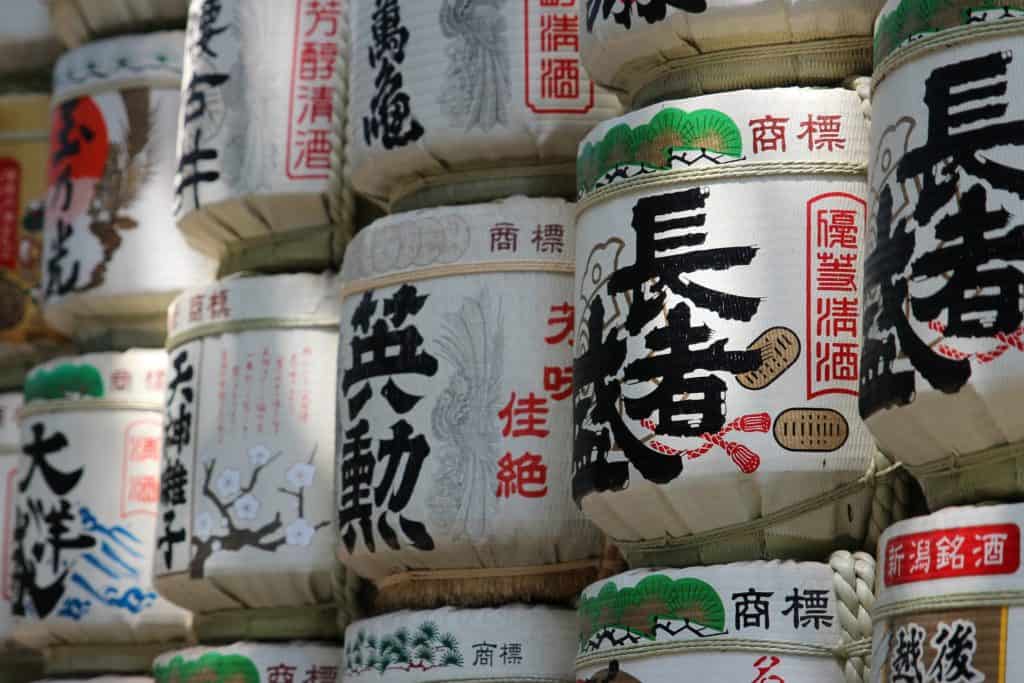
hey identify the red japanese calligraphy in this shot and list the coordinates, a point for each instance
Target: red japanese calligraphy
(525, 416)
(822, 132)
(315, 53)
(769, 134)
(952, 553)
(140, 468)
(555, 80)
(835, 222)
(526, 476)
(10, 196)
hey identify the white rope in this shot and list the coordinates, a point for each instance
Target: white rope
(853, 579)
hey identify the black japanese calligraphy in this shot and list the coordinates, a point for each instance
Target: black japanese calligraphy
(390, 119)
(651, 11)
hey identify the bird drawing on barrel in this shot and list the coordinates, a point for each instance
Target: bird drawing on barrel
(477, 82)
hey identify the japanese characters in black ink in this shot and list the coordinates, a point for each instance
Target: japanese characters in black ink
(42, 531)
(390, 119)
(377, 483)
(174, 479)
(196, 162)
(689, 398)
(946, 657)
(976, 243)
(651, 11)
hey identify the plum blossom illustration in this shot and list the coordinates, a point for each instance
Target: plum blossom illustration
(241, 519)
(247, 507)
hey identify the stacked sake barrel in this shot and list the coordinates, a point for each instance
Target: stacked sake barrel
(720, 234)
(247, 514)
(942, 319)
(83, 509)
(457, 329)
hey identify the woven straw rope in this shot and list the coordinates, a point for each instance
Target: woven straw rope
(341, 200)
(853, 582)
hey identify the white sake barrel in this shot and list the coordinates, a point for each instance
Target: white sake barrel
(246, 534)
(767, 622)
(513, 643)
(85, 521)
(949, 597)
(942, 362)
(24, 154)
(10, 447)
(454, 101)
(718, 249)
(648, 51)
(246, 662)
(79, 21)
(454, 407)
(114, 259)
(255, 135)
(27, 43)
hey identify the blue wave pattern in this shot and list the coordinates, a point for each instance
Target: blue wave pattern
(99, 577)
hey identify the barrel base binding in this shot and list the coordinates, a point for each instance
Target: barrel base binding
(20, 666)
(484, 185)
(994, 474)
(67, 660)
(267, 234)
(113, 323)
(554, 584)
(310, 622)
(816, 63)
(891, 502)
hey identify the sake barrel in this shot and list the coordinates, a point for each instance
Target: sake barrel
(943, 322)
(508, 643)
(762, 621)
(85, 517)
(647, 51)
(247, 662)
(717, 337)
(456, 102)
(24, 146)
(255, 134)
(246, 527)
(454, 388)
(114, 260)
(949, 605)
(79, 21)
(28, 46)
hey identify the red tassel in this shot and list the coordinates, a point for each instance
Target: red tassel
(756, 422)
(747, 460)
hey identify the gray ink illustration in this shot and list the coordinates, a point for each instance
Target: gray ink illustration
(465, 420)
(477, 84)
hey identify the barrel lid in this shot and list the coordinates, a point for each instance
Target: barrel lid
(747, 133)
(254, 302)
(137, 376)
(515, 233)
(956, 557)
(145, 60)
(746, 602)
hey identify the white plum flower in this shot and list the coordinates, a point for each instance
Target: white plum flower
(300, 475)
(247, 507)
(299, 532)
(259, 455)
(203, 528)
(229, 483)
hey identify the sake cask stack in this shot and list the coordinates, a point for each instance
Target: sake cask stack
(720, 244)
(457, 329)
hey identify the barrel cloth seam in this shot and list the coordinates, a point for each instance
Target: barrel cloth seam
(32, 409)
(886, 508)
(735, 65)
(467, 179)
(853, 581)
(694, 175)
(945, 39)
(249, 325)
(1001, 598)
(428, 575)
(435, 272)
